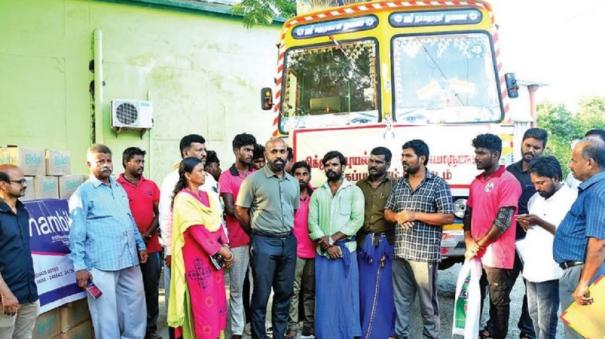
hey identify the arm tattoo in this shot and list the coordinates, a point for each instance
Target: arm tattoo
(504, 218)
(466, 220)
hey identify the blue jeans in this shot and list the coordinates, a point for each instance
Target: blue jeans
(543, 303)
(273, 261)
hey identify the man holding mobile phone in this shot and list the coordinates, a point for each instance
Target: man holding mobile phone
(106, 248)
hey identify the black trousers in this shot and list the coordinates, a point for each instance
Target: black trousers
(151, 281)
(525, 323)
(499, 282)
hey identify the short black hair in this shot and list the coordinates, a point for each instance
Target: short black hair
(546, 166)
(243, 139)
(187, 140)
(130, 152)
(301, 164)
(290, 153)
(259, 151)
(382, 151)
(4, 177)
(4, 168)
(334, 154)
(490, 141)
(597, 132)
(536, 133)
(594, 149)
(420, 148)
(211, 157)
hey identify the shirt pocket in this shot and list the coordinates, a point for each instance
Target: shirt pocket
(344, 205)
(576, 211)
(99, 209)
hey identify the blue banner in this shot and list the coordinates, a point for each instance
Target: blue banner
(49, 242)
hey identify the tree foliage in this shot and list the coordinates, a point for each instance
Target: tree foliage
(564, 126)
(262, 12)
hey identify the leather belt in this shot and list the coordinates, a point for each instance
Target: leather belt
(567, 264)
(280, 235)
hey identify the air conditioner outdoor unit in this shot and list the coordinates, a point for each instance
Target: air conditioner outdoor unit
(127, 113)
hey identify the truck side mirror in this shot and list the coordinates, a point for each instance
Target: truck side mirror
(512, 87)
(266, 98)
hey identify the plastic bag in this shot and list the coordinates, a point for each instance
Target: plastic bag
(467, 304)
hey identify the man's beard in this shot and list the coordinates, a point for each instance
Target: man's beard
(278, 165)
(333, 176)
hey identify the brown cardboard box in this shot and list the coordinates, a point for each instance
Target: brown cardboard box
(31, 161)
(82, 331)
(48, 324)
(30, 192)
(68, 184)
(57, 163)
(73, 314)
(46, 187)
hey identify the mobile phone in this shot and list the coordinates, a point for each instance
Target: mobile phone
(217, 261)
(93, 290)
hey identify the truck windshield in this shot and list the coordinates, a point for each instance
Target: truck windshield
(330, 85)
(447, 78)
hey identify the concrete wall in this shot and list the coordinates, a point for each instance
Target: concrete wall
(202, 71)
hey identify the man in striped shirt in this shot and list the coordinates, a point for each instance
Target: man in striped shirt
(579, 245)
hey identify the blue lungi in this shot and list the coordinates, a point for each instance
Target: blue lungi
(337, 297)
(376, 287)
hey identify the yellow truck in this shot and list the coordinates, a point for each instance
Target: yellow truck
(380, 73)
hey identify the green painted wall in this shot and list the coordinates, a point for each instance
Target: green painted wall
(202, 71)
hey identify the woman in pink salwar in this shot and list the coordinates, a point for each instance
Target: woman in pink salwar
(198, 303)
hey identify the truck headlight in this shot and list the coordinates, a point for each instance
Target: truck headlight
(459, 207)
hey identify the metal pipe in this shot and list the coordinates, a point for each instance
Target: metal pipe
(532, 103)
(98, 82)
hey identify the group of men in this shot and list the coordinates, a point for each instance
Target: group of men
(526, 219)
(355, 255)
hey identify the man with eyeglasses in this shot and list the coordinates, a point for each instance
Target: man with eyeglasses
(19, 305)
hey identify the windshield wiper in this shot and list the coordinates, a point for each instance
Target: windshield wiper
(445, 78)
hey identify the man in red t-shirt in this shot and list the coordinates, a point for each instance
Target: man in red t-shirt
(304, 277)
(144, 197)
(489, 227)
(239, 241)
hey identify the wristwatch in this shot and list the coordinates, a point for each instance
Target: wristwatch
(330, 241)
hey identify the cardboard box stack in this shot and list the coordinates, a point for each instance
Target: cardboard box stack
(48, 173)
(71, 321)
(58, 163)
(31, 161)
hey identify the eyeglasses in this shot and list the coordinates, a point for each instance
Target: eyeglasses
(20, 181)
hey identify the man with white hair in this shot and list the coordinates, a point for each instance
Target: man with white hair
(579, 245)
(106, 249)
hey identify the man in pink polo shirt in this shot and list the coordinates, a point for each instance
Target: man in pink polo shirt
(305, 257)
(489, 227)
(144, 197)
(239, 241)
